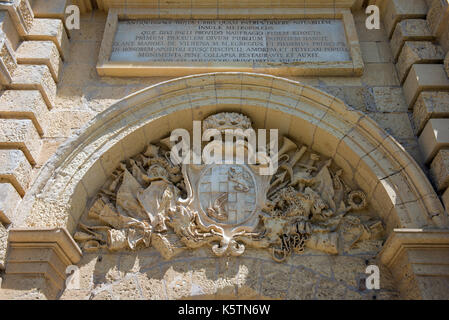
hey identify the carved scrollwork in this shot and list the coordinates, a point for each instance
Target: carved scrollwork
(149, 201)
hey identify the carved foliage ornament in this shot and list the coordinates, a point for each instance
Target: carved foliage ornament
(149, 201)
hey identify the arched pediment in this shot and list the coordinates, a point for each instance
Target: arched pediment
(370, 158)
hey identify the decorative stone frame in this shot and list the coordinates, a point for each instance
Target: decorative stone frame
(105, 67)
(395, 185)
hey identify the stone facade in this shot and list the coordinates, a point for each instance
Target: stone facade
(85, 182)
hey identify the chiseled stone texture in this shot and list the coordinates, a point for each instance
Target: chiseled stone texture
(437, 15)
(401, 9)
(430, 105)
(49, 9)
(409, 30)
(197, 275)
(9, 199)
(417, 52)
(51, 30)
(20, 134)
(15, 168)
(424, 77)
(25, 104)
(35, 77)
(434, 137)
(440, 169)
(40, 52)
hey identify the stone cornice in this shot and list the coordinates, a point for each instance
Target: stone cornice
(59, 236)
(222, 4)
(42, 253)
(402, 239)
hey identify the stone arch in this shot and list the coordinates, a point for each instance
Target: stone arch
(370, 157)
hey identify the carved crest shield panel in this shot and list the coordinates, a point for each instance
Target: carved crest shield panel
(227, 193)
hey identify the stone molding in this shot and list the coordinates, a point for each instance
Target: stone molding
(42, 253)
(417, 257)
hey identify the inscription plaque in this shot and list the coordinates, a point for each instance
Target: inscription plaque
(140, 43)
(231, 41)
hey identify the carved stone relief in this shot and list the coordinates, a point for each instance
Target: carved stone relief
(149, 201)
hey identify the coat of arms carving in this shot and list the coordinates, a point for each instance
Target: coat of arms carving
(152, 201)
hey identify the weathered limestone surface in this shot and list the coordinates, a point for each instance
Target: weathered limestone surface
(21, 14)
(49, 9)
(396, 10)
(434, 137)
(9, 199)
(8, 29)
(35, 77)
(15, 169)
(40, 254)
(430, 105)
(51, 30)
(8, 62)
(40, 52)
(438, 20)
(440, 169)
(418, 259)
(25, 104)
(417, 52)
(409, 30)
(20, 134)
(194, 276)
(423, 77)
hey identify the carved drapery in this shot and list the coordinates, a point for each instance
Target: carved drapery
(149, 201)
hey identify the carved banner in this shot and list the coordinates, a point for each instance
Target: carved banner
(149, 201)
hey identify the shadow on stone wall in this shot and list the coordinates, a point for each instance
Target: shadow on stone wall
(199, 275)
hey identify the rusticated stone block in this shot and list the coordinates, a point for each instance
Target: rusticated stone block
(8, 63)
(439, 169)
(9, 199)
(438, 16)
(397, 10)
(8, 28)
(15, 169)
(25, 104)
(21, 14)
(50, 30)
(430, 105)
(434, 137)
(409, 30)
(35, 77)
(431, 77)
(20, 134)
(417, 52)
(49, 9)
(40, 52)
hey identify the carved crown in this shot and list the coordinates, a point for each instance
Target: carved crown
(227, 120)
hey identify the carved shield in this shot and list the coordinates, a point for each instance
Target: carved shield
(229, 196)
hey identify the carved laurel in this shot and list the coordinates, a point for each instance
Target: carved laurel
(149, 201)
